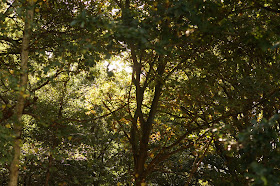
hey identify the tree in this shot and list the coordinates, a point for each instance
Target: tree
(209, 50)
(201, 72)
(50, 54)
(19, 107)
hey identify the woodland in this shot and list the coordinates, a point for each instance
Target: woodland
(139, 92)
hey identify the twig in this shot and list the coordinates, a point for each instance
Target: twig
(197, 162)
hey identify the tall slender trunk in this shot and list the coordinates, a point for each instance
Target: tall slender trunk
(14, 167)
(48, 174)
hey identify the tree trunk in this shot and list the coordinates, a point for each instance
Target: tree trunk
(139, 181)
(48, 170)
(14, 167)
(139, 169)
(141, 154)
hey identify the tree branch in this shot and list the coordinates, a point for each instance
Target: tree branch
(113, 112)
(46, 82)
(197, 161)
(10, 40)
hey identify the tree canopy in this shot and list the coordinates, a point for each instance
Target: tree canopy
(139, 92)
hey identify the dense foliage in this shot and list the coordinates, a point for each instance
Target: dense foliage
(139, 92)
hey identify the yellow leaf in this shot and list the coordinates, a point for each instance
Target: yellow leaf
(25, 95)
(37, 10)
(69, 137)
(36, 150)
(8, 125)
(136, 175)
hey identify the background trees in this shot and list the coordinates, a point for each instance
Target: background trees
(191, 110)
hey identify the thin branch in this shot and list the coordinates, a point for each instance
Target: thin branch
(4, 100)
(10, 40)
(173, 115)
(113, 113)
(10, 52)
(46, 82)
(104, 149)
(182, 137)
(96, 118)
(148, 80)
(7, 113)
(7, 10)
(175, 68)
(197, 161)
(163, 156)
